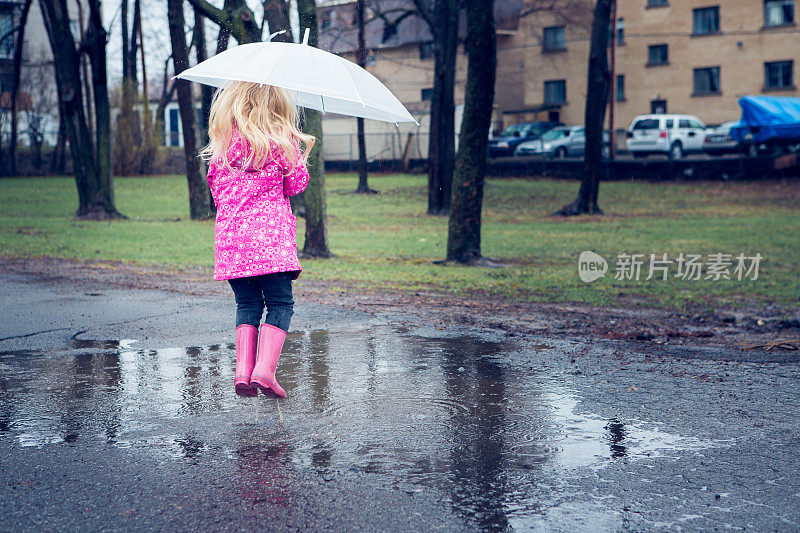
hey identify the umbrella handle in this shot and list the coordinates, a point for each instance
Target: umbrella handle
(305, 36)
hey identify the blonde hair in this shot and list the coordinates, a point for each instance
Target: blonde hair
(265, 115)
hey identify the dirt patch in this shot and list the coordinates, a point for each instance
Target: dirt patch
(764, 327)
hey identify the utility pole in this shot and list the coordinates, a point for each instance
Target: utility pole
(614, 37)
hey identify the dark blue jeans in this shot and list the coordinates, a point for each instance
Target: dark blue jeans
(270, 291)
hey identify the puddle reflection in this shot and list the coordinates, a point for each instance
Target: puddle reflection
(453, 413)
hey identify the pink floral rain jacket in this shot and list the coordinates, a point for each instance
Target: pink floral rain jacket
(255, 232)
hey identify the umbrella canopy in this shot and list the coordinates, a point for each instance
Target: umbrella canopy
(315, 78)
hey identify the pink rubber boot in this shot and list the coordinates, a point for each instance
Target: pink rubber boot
(246, 337)
(270, 343)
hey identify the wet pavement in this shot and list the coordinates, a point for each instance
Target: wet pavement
(117, 412)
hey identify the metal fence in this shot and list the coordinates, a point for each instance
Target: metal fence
(343, 147)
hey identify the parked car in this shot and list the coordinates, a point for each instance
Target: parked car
(670, 135)
(552, 143)
(719, 141)
(577, 144)
(565, 141)
(507, 141)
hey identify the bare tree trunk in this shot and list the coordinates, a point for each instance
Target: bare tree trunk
(276, 13)
(20, 39)
(96, 39)
(599, 81)
(87, 81)
(95, 188)
(441, 144)
(206, 91)
(363, 185)
(316, 243)
(136, 32)
(87, 87)
(199, 193)
(127, 134)
(149, 140)
(58, 162)
(167, 92)
(123, 23)
(37, 154)
(224, 34)
(464, 228)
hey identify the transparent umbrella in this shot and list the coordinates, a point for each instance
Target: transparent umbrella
(315, 78)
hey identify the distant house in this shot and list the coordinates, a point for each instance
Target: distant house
(37, 99)
(173, 130)
(36, 96)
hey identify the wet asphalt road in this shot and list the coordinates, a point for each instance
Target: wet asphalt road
(117, 412)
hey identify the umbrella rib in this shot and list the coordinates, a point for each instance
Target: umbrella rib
(277, 59)
(355, 86)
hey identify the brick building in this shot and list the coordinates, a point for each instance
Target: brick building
(401, 56)
(677, 56)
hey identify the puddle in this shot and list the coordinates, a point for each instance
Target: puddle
(462, 414)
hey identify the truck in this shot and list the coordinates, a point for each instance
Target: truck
(768, 124)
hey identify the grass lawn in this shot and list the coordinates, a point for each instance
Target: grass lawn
(387, 241)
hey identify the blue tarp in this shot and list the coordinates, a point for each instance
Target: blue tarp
(768, 118)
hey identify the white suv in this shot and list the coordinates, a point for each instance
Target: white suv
(673, 135)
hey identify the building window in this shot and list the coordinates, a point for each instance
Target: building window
(657, 54)
(173, 128)
(389, 31)
(706, 20)
(659, 107)
(6, 81)
(325, 19)
(778, 75)
(427, 94)
(555, 92)
(617, 33)
(554, 39)
(706, 80)
(657, 3)
(620, 87)
(426, 50)
(778, 12)
(7, 32)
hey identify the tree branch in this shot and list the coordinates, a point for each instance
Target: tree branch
(212, 13)
(382, 14)
(224, 19)
(424, 12)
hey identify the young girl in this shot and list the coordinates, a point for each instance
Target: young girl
(255, 164)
